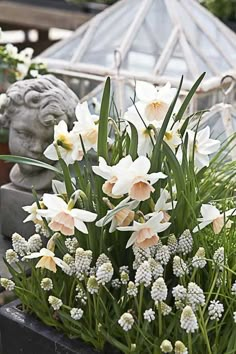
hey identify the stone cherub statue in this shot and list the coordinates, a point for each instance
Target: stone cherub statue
(32, 108)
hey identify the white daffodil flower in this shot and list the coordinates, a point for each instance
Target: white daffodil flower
(64, 217)
(163, 204)
(48, 260)
(136, 181)
(3, 100)
(33, 211)
(68, 145)
(211, 215)
(146, 234)
(156, 101)
(59, 187)
(172, 135)
(110, 173)
(203, 147)
(12, 50)
(121, 215)
(86, 126)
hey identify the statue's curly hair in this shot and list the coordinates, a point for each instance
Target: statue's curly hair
(50, 95)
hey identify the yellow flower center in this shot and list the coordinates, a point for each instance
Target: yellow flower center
(64, 141)
(168, 135)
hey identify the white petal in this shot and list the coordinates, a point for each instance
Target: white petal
(54, 202)
(33, 255)
(201, 225)
(141, 166)
(61, 263)
(209, 212)
(80, 225)
(145, 91)
(131, 240)
(51, 153)
(154, 177)
(83, 215)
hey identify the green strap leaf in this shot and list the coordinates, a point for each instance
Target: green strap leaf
(28, 161)
(103, 121)
(133, 142)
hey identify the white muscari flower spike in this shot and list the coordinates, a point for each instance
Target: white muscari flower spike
(55, 302)
(92, 285)
(143, 274)
(165, 309)
(219, 258)
(71, 244)
(132, 289)
(104, 273)
(234, 316)
(179, 267)
(188, 320)
(141, 255)
(233, 289)
(46, 284)
(195, 296)
(149, 315)
(11, 256)
(102, 259)
(215, 310)
(172, 244)
(179, 292)
(116, 283)
(156, 268)
(83, 261)
(199, 260)
(166, 346)
(35, 243)
(159, 290)
(185, 243)
(81, 295)
(8, 284)
(42, 230)
(180, 348)
(126, 321)
(124, 277)
(163, 255)
(19, 244)
(70, 261)
(76, 313)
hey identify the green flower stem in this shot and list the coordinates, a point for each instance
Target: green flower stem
(140, 303)
(159, 319)
(210, 292)
(204, 331)
(190, 347)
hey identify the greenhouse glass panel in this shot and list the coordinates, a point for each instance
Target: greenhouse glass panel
(177, 64)
(67, 51)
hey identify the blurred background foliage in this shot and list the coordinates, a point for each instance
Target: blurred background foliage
(224, 9)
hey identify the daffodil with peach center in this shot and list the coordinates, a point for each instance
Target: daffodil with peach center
(47, 260)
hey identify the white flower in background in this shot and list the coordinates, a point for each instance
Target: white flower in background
(195, 296)
(3, 100)
(68, 144)
(33, 211)
(97, 105)
(164, 204)
(92, 285)
(11, 50)
(46, 284)
(234, 316)
(156, 102)
(71, 244)
(76, 313)
(180, 348)
(34, 243)
(233, 289)
(86, 126)
(179, 267)
(70, 261)
(202, 147)
(211, 215)
(121, 215)
(136, 181)
(126, 321)
(143, 274)
(48, 260)
(172, 244)
(188, 320)
(132, 289)
(141, 255)
(55, 302)
(185, 243)
(215, 310)
(219, 257)
(26, 55)
(159, 290)
(149, 315)
(111, 173)
(8, 284)
(163, 255)
(179, 292)
(165, 309)
(145, 234)
(166, 346)
(104, 273)
(11, 256)
(101, 260)
(19, 244)
(83, 260)
(156, 268)
(64, 217)
(172, 136)
(199, 260)
(116, 283)
(124, 277)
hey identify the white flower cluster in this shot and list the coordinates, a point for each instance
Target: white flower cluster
(185, 243)
(143, 274)
(180, 348)
(34, 243)
(132, 289)
(179, 267)
(188, 320)
(71, 244)
(140, 255)
(156, 268)
(81, 295)
(199, 260)
(104, 273)
(19, 244)
(55, 302)
(83, 260)
(159, 290)
(11, 256)
(172, 244)
(195, 296)
(163, 255)
(101, 260)
(166, 346)
(149, 315)
(46, 284)
(219, 257)
(165, 309)
(233, 289)
(92, 285)
(215, 310)
(126, 321)
(8, 284)
(70, 261)
(76, 313)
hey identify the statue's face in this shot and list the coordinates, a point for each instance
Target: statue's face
(28, 137)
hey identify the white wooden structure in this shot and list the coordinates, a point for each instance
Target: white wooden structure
(151, 40)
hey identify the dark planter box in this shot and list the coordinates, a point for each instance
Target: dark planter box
(22, 333)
